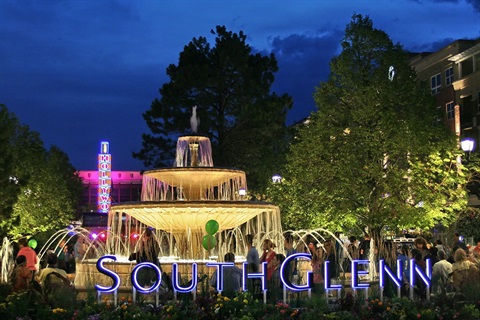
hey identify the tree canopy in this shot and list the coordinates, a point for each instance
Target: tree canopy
(42, 187)
(231, 88)
(372, 155)
(9, 187)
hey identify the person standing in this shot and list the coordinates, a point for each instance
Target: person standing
(331, 256)
(268, 255)
(457, 244)
(317, 266)
(353, 252)
(440, 273)
(80, 249)
(252, 253)
(31, 257)
(275, 287)
(439, 245)
(422, 246)
(291, 267)
(60, 251)
(148, 251)
(364, 249)
(403, 256)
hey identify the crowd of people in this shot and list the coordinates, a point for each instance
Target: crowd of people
(453, 268)
(47, 278)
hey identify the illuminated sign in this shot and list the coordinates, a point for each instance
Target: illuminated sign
(104, 178)
(384, 270)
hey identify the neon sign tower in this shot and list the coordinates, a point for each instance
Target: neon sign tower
(104, 177)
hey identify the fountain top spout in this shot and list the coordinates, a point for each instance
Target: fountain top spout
(194, 120)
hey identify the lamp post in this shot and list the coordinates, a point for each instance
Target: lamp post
(467, 145)
(473, 186)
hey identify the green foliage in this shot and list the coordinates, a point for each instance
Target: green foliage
(48, 187)
(231, 88)
(372, 155)
(468, 223)
(22, 305)
(9, 187)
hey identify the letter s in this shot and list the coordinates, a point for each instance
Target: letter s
(109, 273)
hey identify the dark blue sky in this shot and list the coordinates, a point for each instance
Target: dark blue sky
(80, 72)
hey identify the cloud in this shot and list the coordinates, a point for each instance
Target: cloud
(474, 3)
(305, 58)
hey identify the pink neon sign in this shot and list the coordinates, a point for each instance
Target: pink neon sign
(104, 177)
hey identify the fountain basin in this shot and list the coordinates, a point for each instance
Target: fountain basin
(193, 183)
(182, 216)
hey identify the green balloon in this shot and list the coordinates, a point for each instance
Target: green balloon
(211, 227)
(209, 242)
(32, 243)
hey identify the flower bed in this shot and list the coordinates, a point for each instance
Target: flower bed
(27, 305)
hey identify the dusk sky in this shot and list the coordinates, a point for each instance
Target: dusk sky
(79, 72)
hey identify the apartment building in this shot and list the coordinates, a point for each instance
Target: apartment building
(453, 76)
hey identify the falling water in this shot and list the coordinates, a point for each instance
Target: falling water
(177, 202)
(6, 260)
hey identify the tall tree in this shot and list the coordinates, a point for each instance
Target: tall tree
(231, 88)
(9, 187)
(372, 155)
(49, 188)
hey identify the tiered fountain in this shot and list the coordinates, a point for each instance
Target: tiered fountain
(177, 202)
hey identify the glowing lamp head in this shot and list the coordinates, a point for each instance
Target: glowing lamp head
(242, 192)
(276, 178)
(467, 145)
(94, 235)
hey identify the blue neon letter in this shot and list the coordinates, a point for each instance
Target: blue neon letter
(356, 273)
(176, 282)
(220, 266)
(135, 280)
(328, 280)
(284, 278)
(385, 268)
(109, 273)
(262, 275)
(426, 278)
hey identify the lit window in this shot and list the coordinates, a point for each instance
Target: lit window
(450, 111)
(436, 83)
(449, 76)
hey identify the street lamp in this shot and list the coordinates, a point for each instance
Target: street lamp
(467, 145)
(276, 178)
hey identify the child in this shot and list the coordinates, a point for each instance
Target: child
(21, 276)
